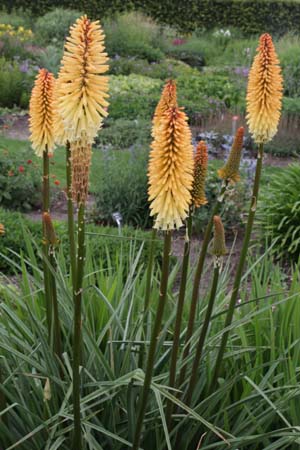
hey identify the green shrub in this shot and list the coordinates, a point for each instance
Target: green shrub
(134, 35)
(20, 182)
(123, 188)
(123, 133)
(50, 58)
(15, 84)
(133, 96)
(16, 18)
(169, 68)
(280, 212)
(54, 26)
(288, 49)
(104, 242)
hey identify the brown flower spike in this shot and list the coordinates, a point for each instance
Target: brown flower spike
(171, 170)
(264, 93)
(80, 162)
(230, 172)
(167, 100)
(2, 229)
(41, 113)
(82, 89)
(219, 248)
(200, 172)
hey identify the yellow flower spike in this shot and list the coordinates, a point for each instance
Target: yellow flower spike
(82, 88)
(81, 160)
(41, 113)
(167, 100)
(219, 247)
(171, 170)
(230, 171)
(2, 229)
(200, 172)
(264, 93)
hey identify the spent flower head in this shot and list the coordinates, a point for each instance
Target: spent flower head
(219, 247)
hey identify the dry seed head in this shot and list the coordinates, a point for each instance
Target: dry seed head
(167, 100)
(82, 88)
(219, 248)
(264, 93)
(230, 172)
(41, 113)
(200, 172)
(50, 235)
(171, 170)
(81, 155)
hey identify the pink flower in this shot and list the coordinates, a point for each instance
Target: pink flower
(21, 169)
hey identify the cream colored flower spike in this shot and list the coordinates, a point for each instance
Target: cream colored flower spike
(171, 171)
(264, 94)
(82, 89)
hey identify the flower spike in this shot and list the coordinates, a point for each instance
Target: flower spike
(264, 94)
(200, 172)
(82, 88)
(230, 171)
(41, 113)
(167, 100)
(171, 170)
(219, 247)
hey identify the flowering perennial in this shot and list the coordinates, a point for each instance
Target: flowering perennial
(264, 94)
(171, 170)
(41, 113)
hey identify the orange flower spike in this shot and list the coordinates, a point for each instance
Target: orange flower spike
(82, 88)
(200, 172)
(167, 100)
(50, 235)
(264, 93)
(2, 229)
(171, 170)
(230, 172)
(41, 113)
(219, 247)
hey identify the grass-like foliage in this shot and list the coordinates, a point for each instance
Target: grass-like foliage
(257, 393)
(280, 212)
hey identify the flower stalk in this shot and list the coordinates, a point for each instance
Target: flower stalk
(153, 342)
(71, 226)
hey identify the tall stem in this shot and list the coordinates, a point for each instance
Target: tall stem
(71, 228)
(77, 297)
(148, 291)
(153, 342)
(179, 312)
(240, 268)
(202, 337)
(56, 324)
(46, 271)
(197, 279)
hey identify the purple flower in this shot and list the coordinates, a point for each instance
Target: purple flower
(24, 66)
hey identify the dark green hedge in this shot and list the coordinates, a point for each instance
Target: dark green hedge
(251, 16)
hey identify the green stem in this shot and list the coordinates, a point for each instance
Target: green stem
(202, 337)
(240, 268)
(46, 271)
(179, 313)
(77, 296)
(153, 342)
(56, 324)
(197, 279)
(71, 228)
(148, 291)
(2, 397)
